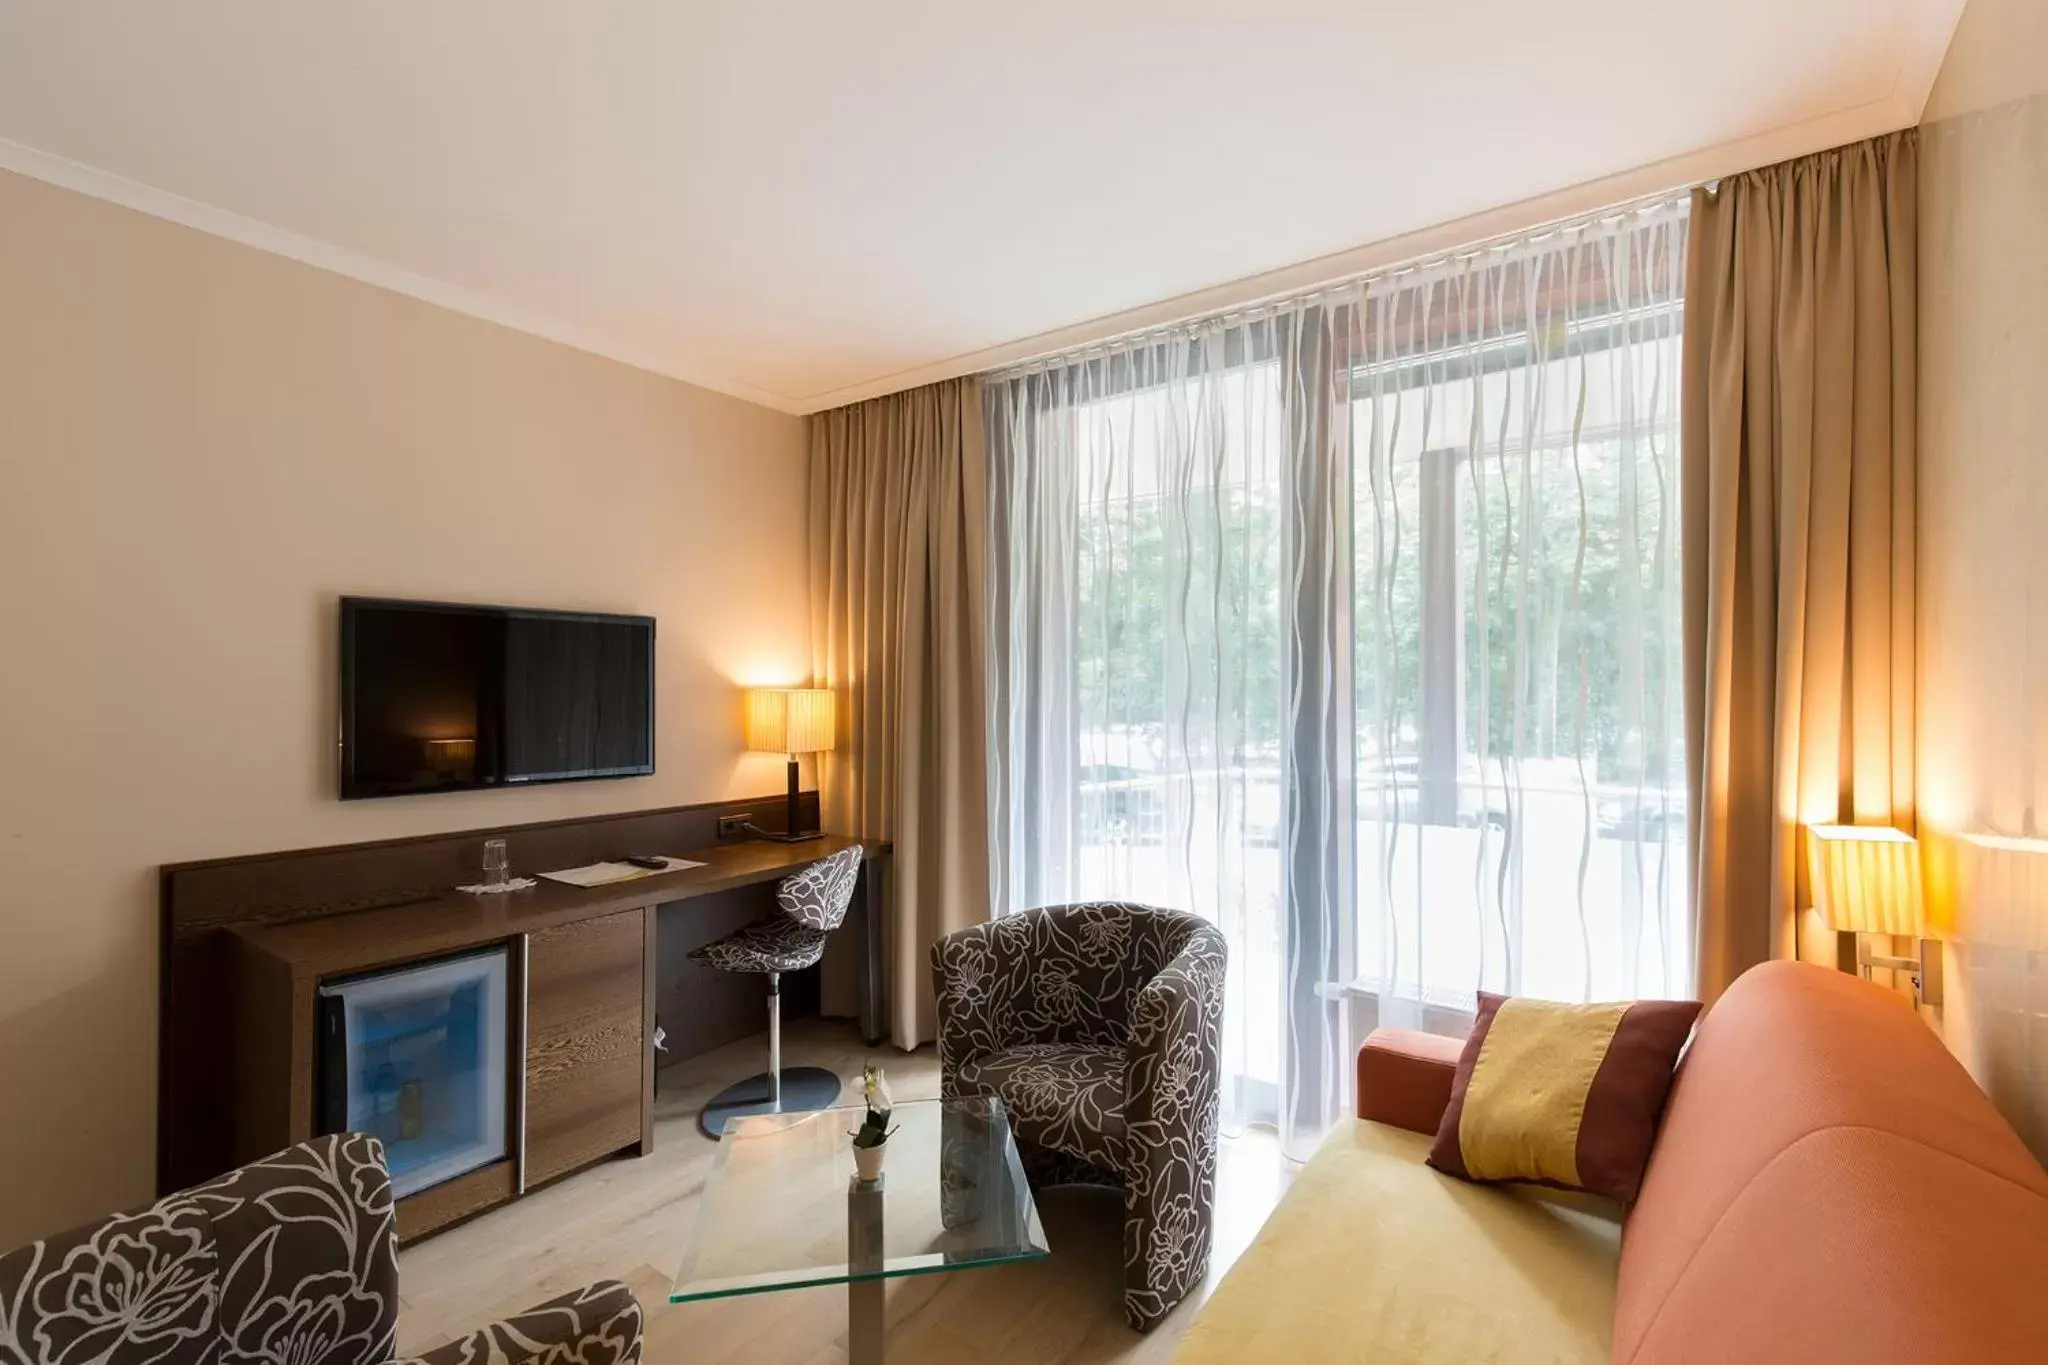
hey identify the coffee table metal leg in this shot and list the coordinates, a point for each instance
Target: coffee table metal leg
(864, 1303)
(865, 1299)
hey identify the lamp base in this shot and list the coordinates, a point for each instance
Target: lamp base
(790, 834)
(759, 833)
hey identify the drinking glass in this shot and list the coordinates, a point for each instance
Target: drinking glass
(497, 864)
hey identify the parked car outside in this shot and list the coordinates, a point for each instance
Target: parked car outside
(1652, 815)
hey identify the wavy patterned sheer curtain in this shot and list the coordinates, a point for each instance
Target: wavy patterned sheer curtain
(1352, 624)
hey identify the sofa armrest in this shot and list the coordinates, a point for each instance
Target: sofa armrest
(1404, 1077)
(598, 1324)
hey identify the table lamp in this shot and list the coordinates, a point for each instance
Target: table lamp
(791, 721)
(1866, 880)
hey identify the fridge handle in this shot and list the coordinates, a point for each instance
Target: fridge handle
(331, 1085)
(525, 1000)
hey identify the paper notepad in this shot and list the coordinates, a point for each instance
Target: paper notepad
(603, 874)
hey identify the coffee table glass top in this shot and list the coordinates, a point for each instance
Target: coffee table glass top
(781, 1209)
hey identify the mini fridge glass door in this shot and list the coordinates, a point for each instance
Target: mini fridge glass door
(417, 1057)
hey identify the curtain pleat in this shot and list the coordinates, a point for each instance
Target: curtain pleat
(898, 535)
(1800, 387)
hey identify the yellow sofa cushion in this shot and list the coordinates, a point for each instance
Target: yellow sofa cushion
(1372, 1256)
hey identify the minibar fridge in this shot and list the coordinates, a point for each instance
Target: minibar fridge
(416, 1056)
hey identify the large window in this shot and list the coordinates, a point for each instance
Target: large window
(1353, 626)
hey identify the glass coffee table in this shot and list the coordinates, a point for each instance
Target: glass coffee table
(782, 1209)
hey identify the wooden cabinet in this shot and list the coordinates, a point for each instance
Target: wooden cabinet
(588, 1063)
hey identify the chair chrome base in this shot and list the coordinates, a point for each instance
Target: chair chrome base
(804, 1090)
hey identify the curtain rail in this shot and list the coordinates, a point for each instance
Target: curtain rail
(1609, 217)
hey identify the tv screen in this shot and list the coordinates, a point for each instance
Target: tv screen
(443, 697)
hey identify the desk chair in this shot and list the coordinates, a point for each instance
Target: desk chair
(809, 906)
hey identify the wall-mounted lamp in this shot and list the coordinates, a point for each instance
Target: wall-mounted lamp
(1866, 880)
(791, 721)
(1999, 891)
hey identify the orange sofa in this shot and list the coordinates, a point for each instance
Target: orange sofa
(1828, 1186)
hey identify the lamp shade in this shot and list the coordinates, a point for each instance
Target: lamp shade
(1866, 879)
(2001, 887)
(789, 720)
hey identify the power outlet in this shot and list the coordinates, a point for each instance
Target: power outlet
(733, 826)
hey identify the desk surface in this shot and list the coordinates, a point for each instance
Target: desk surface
(363, 939)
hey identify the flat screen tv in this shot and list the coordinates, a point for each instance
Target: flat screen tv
(439, 697)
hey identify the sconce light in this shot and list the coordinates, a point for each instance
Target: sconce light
(1866, 880)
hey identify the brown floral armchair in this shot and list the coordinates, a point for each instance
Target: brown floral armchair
(289, 1261)
(1100, 1028)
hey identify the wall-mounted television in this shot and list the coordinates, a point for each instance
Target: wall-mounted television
(439, 696)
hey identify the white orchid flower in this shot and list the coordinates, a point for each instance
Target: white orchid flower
(874, 1129)
(875, 1089)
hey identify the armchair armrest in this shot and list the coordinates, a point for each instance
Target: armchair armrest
(1174, 1068)
(596, 1325)
(1173, 1082)
(1404, 1077)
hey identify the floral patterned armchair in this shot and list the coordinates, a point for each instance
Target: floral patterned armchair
(1100, 1029)
(290, 1261)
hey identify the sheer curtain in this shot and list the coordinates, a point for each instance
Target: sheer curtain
(1352, 624)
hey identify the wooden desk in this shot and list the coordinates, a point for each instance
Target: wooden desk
(248, 941)
(583, 990)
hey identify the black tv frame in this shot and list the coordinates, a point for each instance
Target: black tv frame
(344, 748)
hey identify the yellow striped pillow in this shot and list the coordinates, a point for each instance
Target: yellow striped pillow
(1565, 1095)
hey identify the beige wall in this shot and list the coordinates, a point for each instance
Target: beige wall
(1983, 750)
(201, 446)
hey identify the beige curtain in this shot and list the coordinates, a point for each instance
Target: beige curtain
(898, 546)
(1798, 534)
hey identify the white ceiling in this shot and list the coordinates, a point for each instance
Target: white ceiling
(805, 203)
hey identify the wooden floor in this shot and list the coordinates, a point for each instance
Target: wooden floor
(630, 1219)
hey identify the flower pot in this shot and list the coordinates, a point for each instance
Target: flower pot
(867, 1163)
